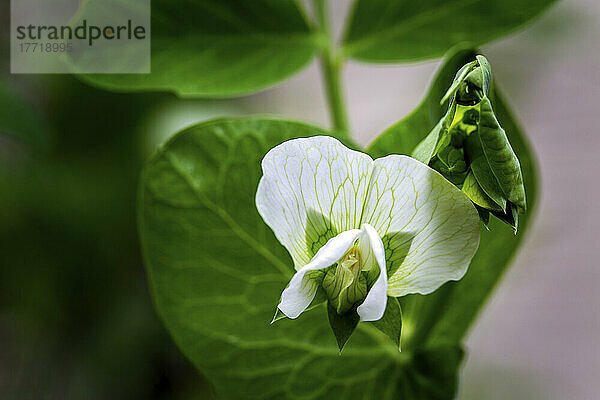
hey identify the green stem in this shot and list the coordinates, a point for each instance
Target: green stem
(331, 67)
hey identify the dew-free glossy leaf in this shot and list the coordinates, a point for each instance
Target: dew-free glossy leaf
(216, 48)
(445, 316)
(407, 30)
(216, 272)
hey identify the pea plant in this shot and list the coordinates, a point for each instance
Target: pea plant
(288, 262)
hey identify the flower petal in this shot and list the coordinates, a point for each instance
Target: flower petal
(429, 228)
(373, 308)
(307, 185)
(301, 289)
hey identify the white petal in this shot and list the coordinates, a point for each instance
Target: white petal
(429, 228)
(301, 289)
(373, 307)
(315, 176)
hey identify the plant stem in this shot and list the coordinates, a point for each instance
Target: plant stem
(331, 67)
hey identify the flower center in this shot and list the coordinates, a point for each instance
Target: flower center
(352, 260)
(344, 284)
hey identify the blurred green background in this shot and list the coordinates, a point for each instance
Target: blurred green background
(76, 318)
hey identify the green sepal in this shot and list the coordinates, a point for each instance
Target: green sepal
(429, 146)
(500, 156)
(425, 150)
(475, 85)
(483, 172)
(342, 325)
(488, 182)
(456, 179)
(470, 91)
(486, 70)
(391, 322)
(458, 135)
(484, 216)
(477, 195)
(510, 217)
(458, 79)
(453, 159)
(278, 316)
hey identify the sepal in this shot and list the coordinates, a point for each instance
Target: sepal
(342, 325)
(391, 322)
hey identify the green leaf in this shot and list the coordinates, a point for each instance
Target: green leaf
(216, 272)
(18, 119)
(445, 315)
(216, 48)
(405, 30)
(439, 364)
(510, 217)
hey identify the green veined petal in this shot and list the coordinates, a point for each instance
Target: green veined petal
(430, 229)
(310, 178)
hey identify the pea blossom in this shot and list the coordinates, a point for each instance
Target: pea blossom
(359, 230)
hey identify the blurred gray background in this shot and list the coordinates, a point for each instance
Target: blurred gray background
(538, 337)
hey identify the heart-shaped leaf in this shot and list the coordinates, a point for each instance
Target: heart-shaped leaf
(215, 48)
(217, 272)
(445, 315)
(406, 30)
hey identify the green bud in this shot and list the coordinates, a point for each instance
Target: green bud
(470, 117)
(457, 136)
(470, 148)
(344, 283)
(470, 91)
(453, 159)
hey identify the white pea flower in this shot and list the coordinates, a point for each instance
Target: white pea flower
(363, 229)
